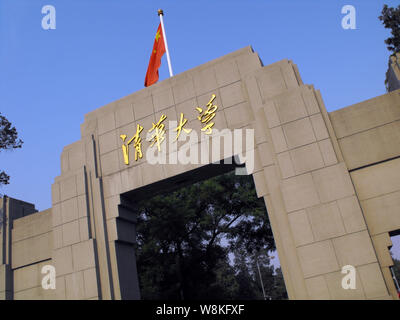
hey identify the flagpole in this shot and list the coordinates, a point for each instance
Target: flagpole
(161, 13)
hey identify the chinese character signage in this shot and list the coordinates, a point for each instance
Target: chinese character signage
(206, 115)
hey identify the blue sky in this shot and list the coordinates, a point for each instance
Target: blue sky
(100, 49)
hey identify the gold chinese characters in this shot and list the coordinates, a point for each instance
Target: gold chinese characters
(158, 130)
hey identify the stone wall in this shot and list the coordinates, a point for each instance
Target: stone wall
(303, 169)
(369, 137)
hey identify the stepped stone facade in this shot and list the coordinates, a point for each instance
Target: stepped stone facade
(330, 182)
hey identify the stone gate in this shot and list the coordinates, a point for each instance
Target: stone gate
(330, 182)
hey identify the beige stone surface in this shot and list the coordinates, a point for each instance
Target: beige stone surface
(354, 249)
(377, 180)
(334, 281)
(382, 243)
(372, 281)
(333, 183)
(317, 288)
(366, 115)
(351, 213)
(299, 192)
(327, 151)
(372, 146)
(307, 158)
(299, 133)
(303, 158)
(382, 213)
(326, 221)
(318, 258)
(31, 250)
(301, 228)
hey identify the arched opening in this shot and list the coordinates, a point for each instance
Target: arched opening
(204, 234)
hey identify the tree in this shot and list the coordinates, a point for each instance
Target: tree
(390, 18)
(186, 241)
(8, 140)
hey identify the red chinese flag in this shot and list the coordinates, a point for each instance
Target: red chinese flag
(155, 58)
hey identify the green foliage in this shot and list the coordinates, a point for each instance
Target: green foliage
(390, 18)
(186, 241)
(8, 140)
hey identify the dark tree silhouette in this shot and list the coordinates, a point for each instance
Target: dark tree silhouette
(8, 140)
(201, 242)
(390, 18)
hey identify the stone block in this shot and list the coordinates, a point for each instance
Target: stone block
(238, 116)
(265, 153)
(68, 188)
(227, 72)
(183, 90)
(28, 277)
(299, 133)
(307, 158)
(319, 126)
(55, 193)
(143, 108)
(152, 173)
(188, 108)
(382, 243)
(124, 113)
(82, 206)
(354, 249)
(382, 213)
(301, 228)
(260, 184)
(84, 229)
(334, 281)
(271, 114)
(271, 82)
(317, 288)
(81, 181)
(63, 260)
(76, 155)
(69, 210)
(317, 258)
(372, 280)
(108, 142)
(299, 192)
(310, 101)
(56, 215)
(248, 63)
(90, 281)
(70, 232)
(232, 94)
(110, 162)
(327, 151)
(290, 106)
(60, 292)
(83, 255)
(352, 216)
(204, 81)
(32, 225)
(57, 237)
(333, 183)
(377, 180)
(106, 123)
(162, 99)
(32, 250)
(131, 178)
(285, 165)
(279, 140)
(74, 286)
(326, 221)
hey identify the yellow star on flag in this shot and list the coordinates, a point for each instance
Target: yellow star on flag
(158, 35)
